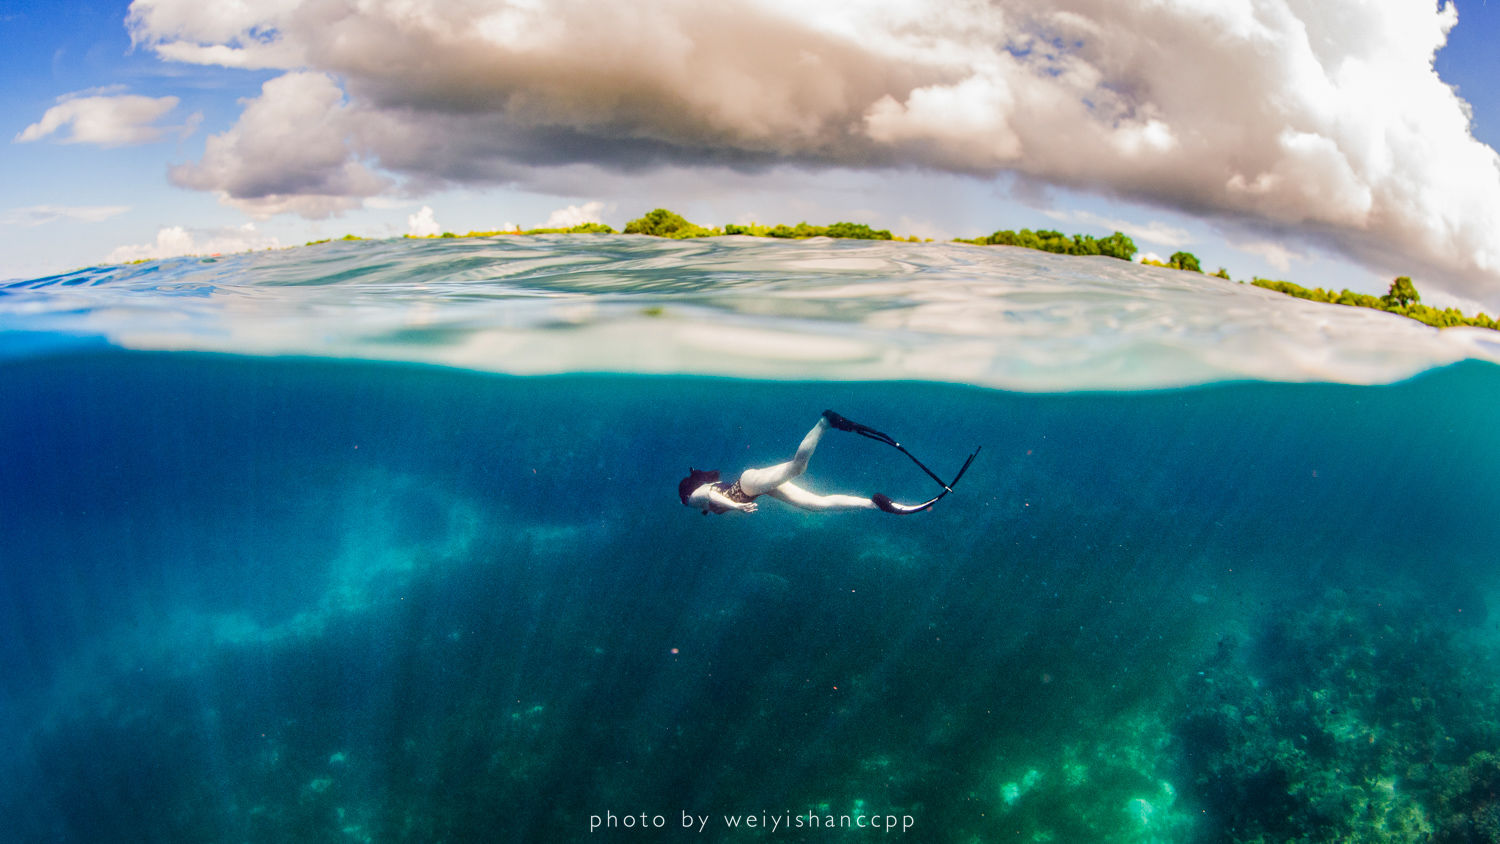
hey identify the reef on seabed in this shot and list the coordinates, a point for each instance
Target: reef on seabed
(1368, 717)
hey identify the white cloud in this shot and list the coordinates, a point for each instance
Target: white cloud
(1321, 117)
(97, 91)
(38, 215)
(1440, 300)
(422, 223)
(289, 152)
(388, 203)
(172, 241)
(1155, 231)
(237, 34)
(574, 215)
(109, 121)
(914, 227)
(1274, 253)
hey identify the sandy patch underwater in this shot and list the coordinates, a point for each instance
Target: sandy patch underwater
(266, 599)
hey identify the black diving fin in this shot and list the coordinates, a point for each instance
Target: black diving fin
(885, 503)
(881, 500)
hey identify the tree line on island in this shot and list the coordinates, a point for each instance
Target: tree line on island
(664, 223)
(1402, 298)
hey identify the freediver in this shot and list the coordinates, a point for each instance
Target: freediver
(703, 489)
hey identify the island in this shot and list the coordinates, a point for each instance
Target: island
(1402, 298)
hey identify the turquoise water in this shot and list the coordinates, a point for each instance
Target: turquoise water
(379, 542)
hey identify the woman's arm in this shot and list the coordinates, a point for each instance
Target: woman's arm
(724, 501)
(709, 497)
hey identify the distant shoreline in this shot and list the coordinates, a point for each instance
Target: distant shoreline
(1402, 298)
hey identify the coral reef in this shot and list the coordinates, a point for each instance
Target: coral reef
(1353, 720)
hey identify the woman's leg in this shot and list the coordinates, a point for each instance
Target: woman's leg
(762, 481)
(802, 499)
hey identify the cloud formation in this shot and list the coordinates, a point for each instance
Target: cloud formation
(1279, 256)
(173, 241)
(290, 151)
(39, 215)
(423, 223)
(574, 215)
(1316, 119)
(109, 121)
(1153, 232)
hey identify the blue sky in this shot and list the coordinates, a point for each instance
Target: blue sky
(489, 129)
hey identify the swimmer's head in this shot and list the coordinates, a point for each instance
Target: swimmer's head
(695, 479)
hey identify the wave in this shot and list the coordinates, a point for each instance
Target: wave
(820, 309)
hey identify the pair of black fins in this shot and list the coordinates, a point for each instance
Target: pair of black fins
(882, 500)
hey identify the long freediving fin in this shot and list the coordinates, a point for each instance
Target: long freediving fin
(965, 468)
(845, 424)
(885, 503)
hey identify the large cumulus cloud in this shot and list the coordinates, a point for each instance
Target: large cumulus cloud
(289, 152)
(1314, 118)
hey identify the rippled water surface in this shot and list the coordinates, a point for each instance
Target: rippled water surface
(993, 316)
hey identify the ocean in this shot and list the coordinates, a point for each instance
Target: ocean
(379, 541)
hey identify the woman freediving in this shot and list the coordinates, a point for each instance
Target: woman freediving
(704, 490)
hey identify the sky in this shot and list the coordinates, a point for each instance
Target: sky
(1334, 143)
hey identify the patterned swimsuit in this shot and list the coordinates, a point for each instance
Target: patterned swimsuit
(734, 492)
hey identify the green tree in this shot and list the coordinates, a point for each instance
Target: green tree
(857, 231)
(1117, 245)
(1402, 293)
(1358, 300)
(1084, 244)
(664, 223)
(1184, 261)
(1054, 241)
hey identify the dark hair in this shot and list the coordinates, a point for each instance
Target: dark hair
(695, 479)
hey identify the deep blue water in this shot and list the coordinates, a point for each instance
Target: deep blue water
(320, 597)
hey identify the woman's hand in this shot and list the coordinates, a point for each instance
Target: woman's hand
(748, 507)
